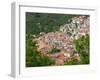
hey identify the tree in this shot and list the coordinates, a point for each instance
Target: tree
(34, 57)
(82, 47)
(44, 22)
(55, 50)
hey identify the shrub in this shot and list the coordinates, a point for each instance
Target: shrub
(55, 50)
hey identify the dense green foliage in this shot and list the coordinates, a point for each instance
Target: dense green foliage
(33, 57)
(82, 47)
(55, 50)
(73, 62)
(44, 22)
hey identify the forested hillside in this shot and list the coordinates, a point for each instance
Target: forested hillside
(43, 22)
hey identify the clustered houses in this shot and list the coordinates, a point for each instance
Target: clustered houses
(53, 40)
(78, 27)
(62, 40)
(57, 40)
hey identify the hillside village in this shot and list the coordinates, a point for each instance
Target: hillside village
(59, 45)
